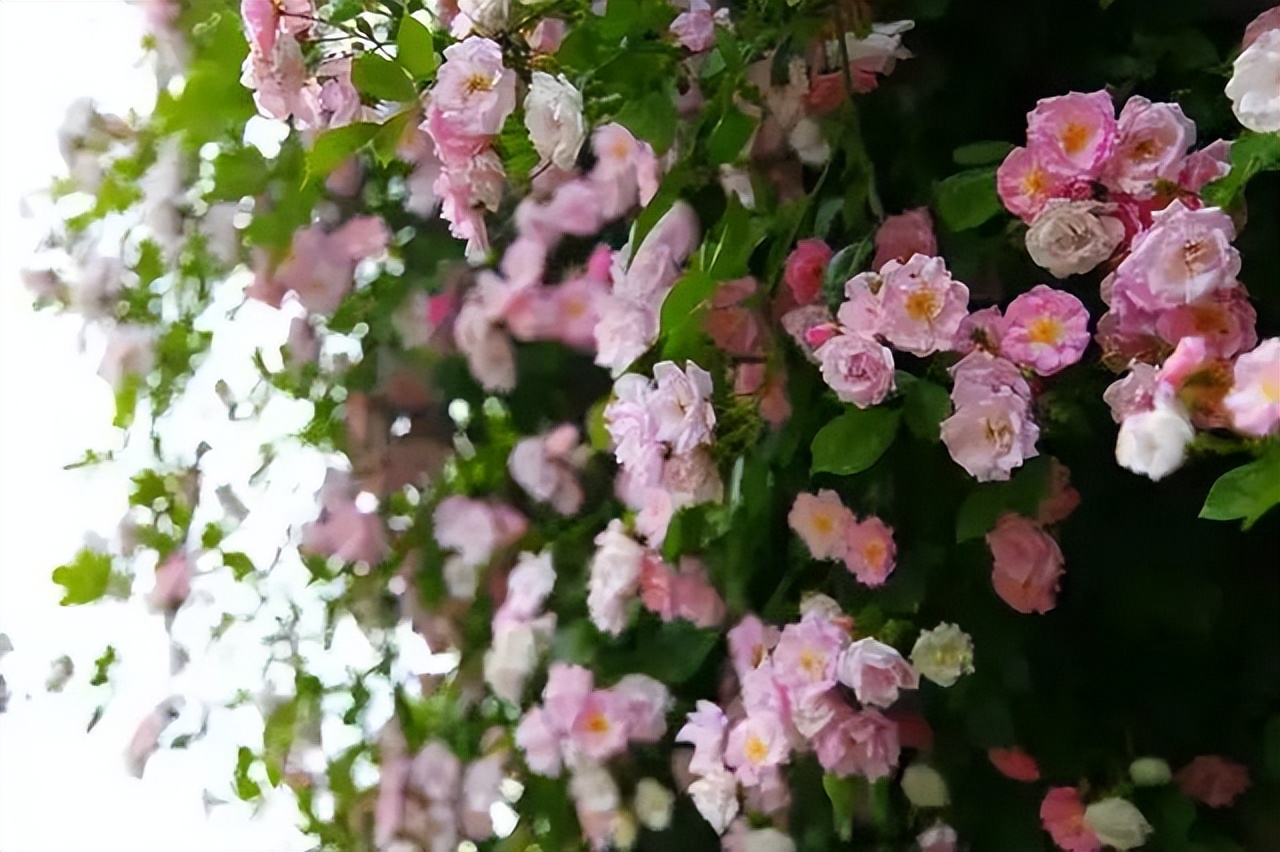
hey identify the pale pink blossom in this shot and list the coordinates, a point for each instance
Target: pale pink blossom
(576, 306)
(565, 693)
(599, 731)
(644, 704)
(626, 170)
(681, 405)
(1208, 164)
(338, 101)
(685, 594)
(614, 578)
(1268, 20)
(173, 583)
(991, 437)
(750, 642)
(862, 311)
(874, 747)
(1188, 357)
(1062, 499)
(857, 368)
(980, 375)
(980, 330)
(633, 427)
(481, 790)
(695, 30)
(1154, 137)
(547, 35)
(732, 323)
(822, 521)
(624, 331)
(281, 87)
(528, 586)
(1132, 394)
(1026, 564)
(923, 305)
(804, 661)
(1045, 330)
(1185, 256)
(1254, 400)
(1213, 780)
(545, 466)
(1025, 183)
(901, 236)
(1226, 320)
(475, 529)
(1062, 815)
(436, 771)
(757, 742)
(875, 672)
(265, 19)
(1014, 763)
(869, 551)
(473, 91)
(145, 741)
(1076, 133)
(487, 348)
(804, 269)
(537, 738)
(705, 729)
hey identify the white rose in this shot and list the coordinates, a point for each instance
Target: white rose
(715, 795)
(1072, 237)
(1117, 823)
(488, 16)
(553, 114)
(924, 786)
(614, 578)
(943, 654)
(767, 840)
(807, 141)
(1154, 443)
(1150, 772)
(509, 662)
(1254, 87)
(653, 804)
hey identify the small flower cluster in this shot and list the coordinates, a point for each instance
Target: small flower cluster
(831, 531)
(521, 629)
(475, 530)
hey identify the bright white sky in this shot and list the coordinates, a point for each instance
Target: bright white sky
(60, 788)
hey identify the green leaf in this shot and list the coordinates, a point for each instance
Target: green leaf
(855, 440)
(246, 788)
(652, 118)
(843, 793)
(102, 666)
(1247, 492)
(684, 306)
(1251, 153)
(845, 264)
(989, 500)
(381, 78)
(241, 565)
(416, 49)
(981, 153)
(333, 147)
(386, 142)
(729, 135)
(127, 400)
(675, 652)
(733, 242)
(277, 739)
(925, 407)
(967, 199)
(85, 577)
(210, 536)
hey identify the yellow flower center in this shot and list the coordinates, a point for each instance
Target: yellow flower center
(575, 308)
(812, 663)
(1046, 330)
(755, 749)
(823, 523)
(597, 723)
(478, 83)
(922, 305)
(1074, 137)
(1034, 182)
(874, 552)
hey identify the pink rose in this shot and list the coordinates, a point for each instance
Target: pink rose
(1015, 763)
(1226, 320)
(857, 368)
(805, 268)
(862, 311)
(600, 729)
(822, 522)
(1208, 164)
(1075, 133)
(1026, 564)
(644, 702)
(694, 597)
(1185, 256)
(1153, 139)
(1213, 780)
(750, 642)
(901, 236)
(1133, 394)
(733, 325)
(1025, 183)
(546, 36)
(875, 672)
(979, 330)
(755, 744)
(805, 658)
(614, 578)
(695, 30)
(540, 743)
(473, 92)
(565, 693)
(633, 428)
(1062, 499)
(923, 305)
(1268, 20)
(875, 744)
(576, 304)
(681, 406)
(1045, 330)
(869, 551)
(1254, 400)
(1062, 814)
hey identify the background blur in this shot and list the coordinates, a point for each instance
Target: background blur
(60, 787)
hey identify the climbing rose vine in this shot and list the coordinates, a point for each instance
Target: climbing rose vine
(791, 425)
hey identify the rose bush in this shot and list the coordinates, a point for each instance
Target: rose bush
(787, 432)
